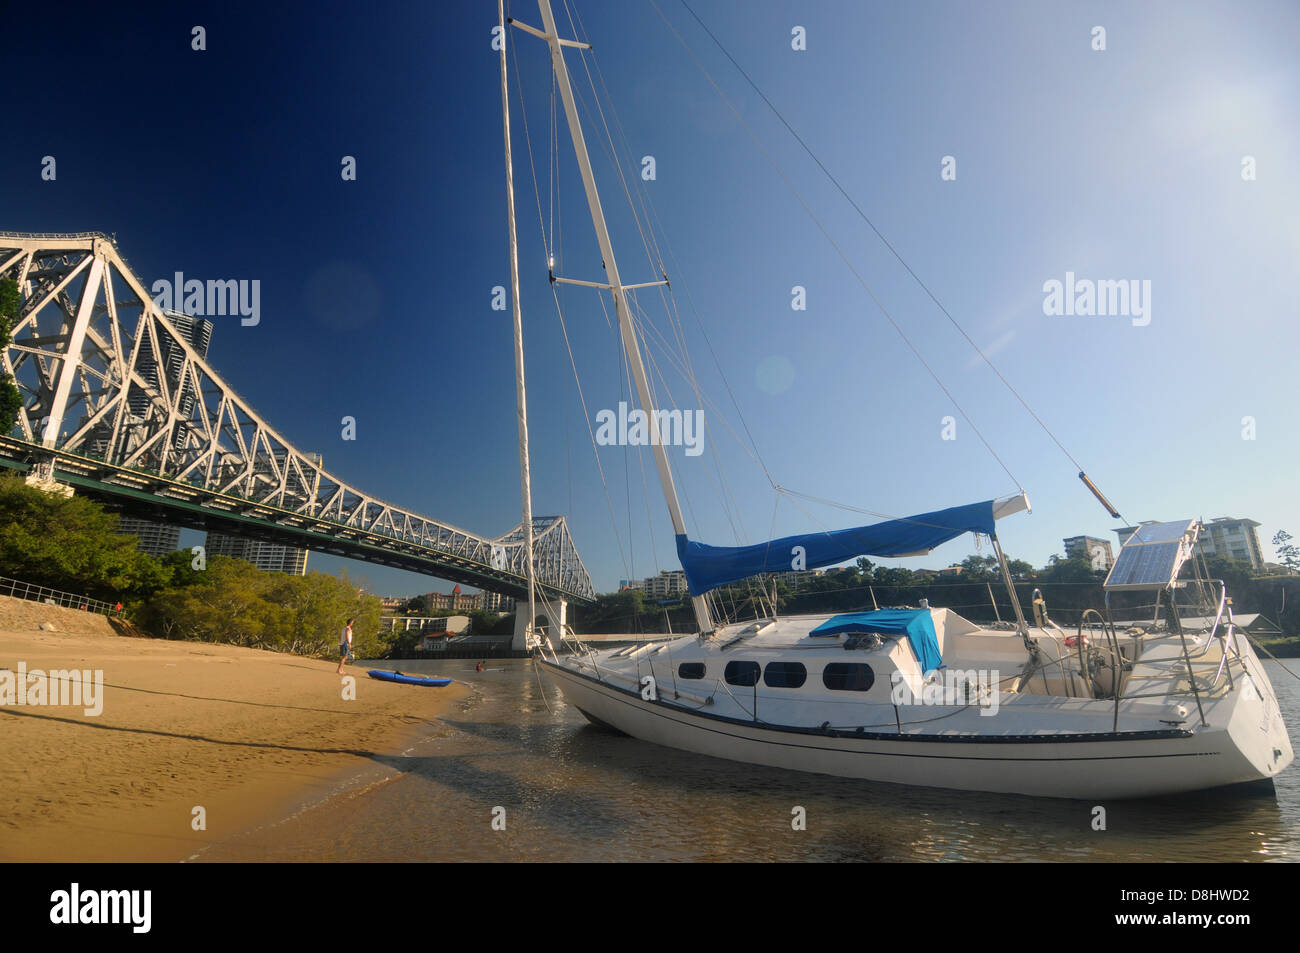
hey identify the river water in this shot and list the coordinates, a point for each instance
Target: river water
(513, 774)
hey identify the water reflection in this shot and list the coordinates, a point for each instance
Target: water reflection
(575, 792)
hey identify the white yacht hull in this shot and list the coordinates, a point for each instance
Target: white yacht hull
(1246, 741)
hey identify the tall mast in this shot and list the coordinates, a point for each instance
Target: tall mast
(627, 329)
(521, 399)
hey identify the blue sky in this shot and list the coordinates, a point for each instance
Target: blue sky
(376, 294)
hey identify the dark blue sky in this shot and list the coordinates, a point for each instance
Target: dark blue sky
(376, 293)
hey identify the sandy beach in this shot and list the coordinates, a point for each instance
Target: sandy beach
(246, 735)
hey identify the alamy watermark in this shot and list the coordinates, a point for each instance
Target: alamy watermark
(215, 297)
(636, 428)
(1083, 296)
(57, 688)
(948, 686)
(131, 908)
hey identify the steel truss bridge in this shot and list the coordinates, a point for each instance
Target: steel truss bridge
(120, 403)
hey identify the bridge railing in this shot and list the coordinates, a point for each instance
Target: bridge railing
(55, 597)
(58, 235)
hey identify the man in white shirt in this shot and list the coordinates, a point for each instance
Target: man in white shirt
(345, 645)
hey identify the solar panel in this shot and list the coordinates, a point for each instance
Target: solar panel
(1161, 532)
(1152, 557)
(1144, 565)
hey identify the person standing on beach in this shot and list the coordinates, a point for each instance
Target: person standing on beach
(345, 645)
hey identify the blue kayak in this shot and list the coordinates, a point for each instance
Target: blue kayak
(384, 676)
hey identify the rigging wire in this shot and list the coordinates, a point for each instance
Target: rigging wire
(623, 375)
(651, 374)
(651, 335)
(666, 294)
(654, 255)
(610, 149)
(647, 329)
(559, 309)
(777, 487)
(872, 225)
(552, 173)
(699, 322)
(655, 372)
(650, 525)
(653, 258)
(839, 250)
(651, 247)
(568, 458)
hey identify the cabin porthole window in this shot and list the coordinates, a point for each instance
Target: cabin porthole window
(690, 670)
(848, 677)
(785, 675)
(742, 674)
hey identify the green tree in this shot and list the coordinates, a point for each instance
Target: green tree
(893, 577)
(397, 642)
(70, 543)
(1287, 551)
(317, 606)
(1020, 570)
(489, 623)
(11, 401)
(226, 603)
(233, 601)
(1077, 568)
(1234, 573)
(979, 569)
(177, 569)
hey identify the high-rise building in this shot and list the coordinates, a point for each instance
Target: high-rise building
(669, 583)
(268, 557)
(1222, 536)
(1097, 551)
(156, 539)
(1232, 539)
(495, 602)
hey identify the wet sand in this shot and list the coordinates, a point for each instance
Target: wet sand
(249, 736)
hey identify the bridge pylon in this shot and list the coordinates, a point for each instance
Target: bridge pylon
(552, 617)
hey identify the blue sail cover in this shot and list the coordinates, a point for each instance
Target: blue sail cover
(916, 624)
(708, 567)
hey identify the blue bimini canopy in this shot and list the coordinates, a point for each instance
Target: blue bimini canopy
(708, 567)
(916, 624)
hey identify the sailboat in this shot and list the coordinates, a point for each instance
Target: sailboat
(919, 695)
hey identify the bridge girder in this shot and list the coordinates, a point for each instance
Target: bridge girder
(125, 407)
